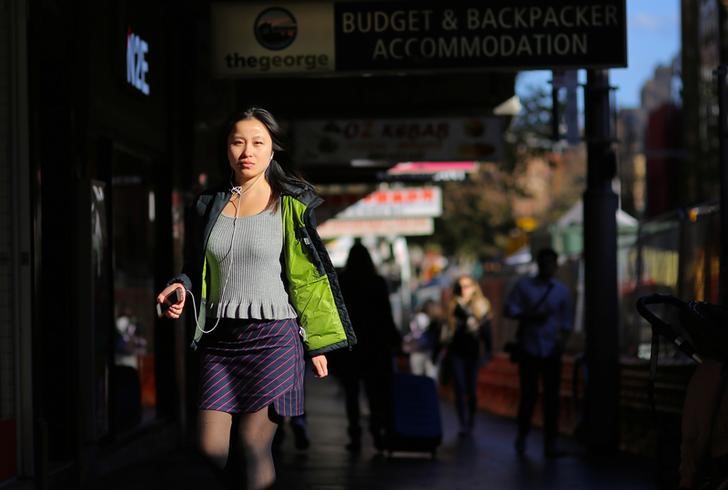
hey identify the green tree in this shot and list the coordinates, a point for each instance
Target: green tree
(530, 131)
(476, 213)
(477, 217)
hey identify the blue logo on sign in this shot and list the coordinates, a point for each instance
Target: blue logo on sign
(275, 28)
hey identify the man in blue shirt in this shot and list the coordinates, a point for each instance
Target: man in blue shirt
(542, 306)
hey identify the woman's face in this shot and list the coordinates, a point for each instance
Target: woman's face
(250, 149)
(467, 288)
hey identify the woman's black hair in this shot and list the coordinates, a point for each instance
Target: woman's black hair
(279, 173)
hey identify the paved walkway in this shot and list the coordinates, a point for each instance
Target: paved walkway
(484, 461)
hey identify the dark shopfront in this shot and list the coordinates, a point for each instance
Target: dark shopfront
(107, 148)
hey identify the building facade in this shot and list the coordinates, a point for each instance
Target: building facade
(91, 138)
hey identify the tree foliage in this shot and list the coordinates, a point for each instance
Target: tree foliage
(478, 214)
(530, 131)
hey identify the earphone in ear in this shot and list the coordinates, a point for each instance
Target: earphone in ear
(271, 156)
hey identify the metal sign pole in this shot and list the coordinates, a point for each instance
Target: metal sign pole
(600, 269)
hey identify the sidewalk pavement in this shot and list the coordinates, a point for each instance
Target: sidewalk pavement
(485, 460)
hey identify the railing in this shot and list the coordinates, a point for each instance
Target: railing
(498, 392)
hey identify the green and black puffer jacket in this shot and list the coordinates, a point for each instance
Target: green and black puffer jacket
(312, 285)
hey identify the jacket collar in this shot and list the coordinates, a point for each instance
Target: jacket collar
(219, 200)
(304, 194)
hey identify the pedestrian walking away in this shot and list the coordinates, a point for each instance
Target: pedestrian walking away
(264, 294)
(422, 339)
(370, 363)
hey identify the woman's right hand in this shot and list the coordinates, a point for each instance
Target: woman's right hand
(175, 309)
(320, 366)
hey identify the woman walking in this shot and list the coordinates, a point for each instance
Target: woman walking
(469, 345)
(266, 292)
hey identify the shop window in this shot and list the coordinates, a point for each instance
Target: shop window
(133, 380)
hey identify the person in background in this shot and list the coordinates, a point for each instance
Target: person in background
(370, 362)
(469, 345)
(299, 427)
(421, 340)
(267, 294)
(542, 306)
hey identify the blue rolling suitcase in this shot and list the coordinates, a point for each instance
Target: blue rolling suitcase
(414, 423)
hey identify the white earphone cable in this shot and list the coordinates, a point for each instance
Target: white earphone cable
(240, 192)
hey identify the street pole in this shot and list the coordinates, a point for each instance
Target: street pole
(600, 269)
(722, 73)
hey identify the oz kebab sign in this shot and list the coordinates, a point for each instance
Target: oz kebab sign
(336, 141)
(257, 39)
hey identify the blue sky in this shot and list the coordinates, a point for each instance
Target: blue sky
(653, 37)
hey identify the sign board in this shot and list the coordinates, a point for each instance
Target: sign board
(137, 65)
(514, 34)
(423, 168)
(397, 203)
(341, 141)
(439, 171)
(252, 39)
(258, 39)
(376, 227)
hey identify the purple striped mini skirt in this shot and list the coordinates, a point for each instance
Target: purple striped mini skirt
(247, 365)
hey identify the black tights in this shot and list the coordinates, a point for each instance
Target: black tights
(465, 375)
(530, 369)
(254, 432)
(376, 386)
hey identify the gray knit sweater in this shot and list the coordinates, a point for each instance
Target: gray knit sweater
(246, 269)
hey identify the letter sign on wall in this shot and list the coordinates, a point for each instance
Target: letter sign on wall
(136, 63)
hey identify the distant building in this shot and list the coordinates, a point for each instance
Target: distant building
(703, 49)
(659, 89)
(636, 163)
(630, 134)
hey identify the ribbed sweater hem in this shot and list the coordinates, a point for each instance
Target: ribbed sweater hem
(252, 311)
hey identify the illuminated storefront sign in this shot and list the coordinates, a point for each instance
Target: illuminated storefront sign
(137, 66)
(376, 227)
(397, 203)
(257, 39)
